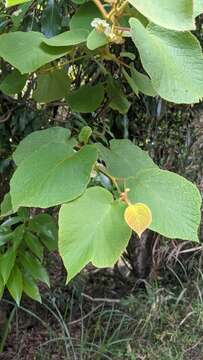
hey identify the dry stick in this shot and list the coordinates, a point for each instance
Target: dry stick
(112, 301)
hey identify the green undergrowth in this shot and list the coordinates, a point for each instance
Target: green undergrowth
(158, 322)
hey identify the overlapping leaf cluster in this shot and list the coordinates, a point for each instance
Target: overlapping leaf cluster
(53, 168)
(161, 31)
(22, 243)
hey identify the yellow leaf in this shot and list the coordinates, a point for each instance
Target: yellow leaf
(138, 217)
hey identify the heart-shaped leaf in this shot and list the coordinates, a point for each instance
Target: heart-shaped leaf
(92, 229)
(138, 217)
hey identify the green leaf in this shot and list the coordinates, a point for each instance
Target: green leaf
(30, 288)
(34, 267)
(45, 227)
(17, 16)
(171, 14)
(7, 262)
(124, 159)
(38, 139)
(6, 206)
(118, 100)
(51, 86)
(13, 83)
(96, 40)
(34, 245)
(15, 284)
(68, 38)
(177, 75)
(52, 176)
(100, 236)
(128, 55)
(15, 2)
(27, 52)
(5, 235)
(83, 17)
(18, 235)
(131, 82)
(86, 99)
(51, 19)
(85, 134)
(174, 202)
(143, 82)
(198, 7)
(23, 214)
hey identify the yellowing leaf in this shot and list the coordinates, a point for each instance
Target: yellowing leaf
(138, 217)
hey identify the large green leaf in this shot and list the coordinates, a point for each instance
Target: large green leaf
(36, 140)
(198, 7)
(13, 83)
(83, 17)
(51, 86)
(92, 228)
(174, 202)
(87, 98)
(53, 175)
(172, 14)
(124, 159)
(172, 59)
(68, 38)
(27, 52)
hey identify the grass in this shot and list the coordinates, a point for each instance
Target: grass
(158, 323)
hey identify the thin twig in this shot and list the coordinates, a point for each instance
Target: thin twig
(112, 301)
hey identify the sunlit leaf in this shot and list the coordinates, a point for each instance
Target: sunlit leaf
(173, 61)
(174, 202)
(92, 229)
(172, 14)
(138, 217)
